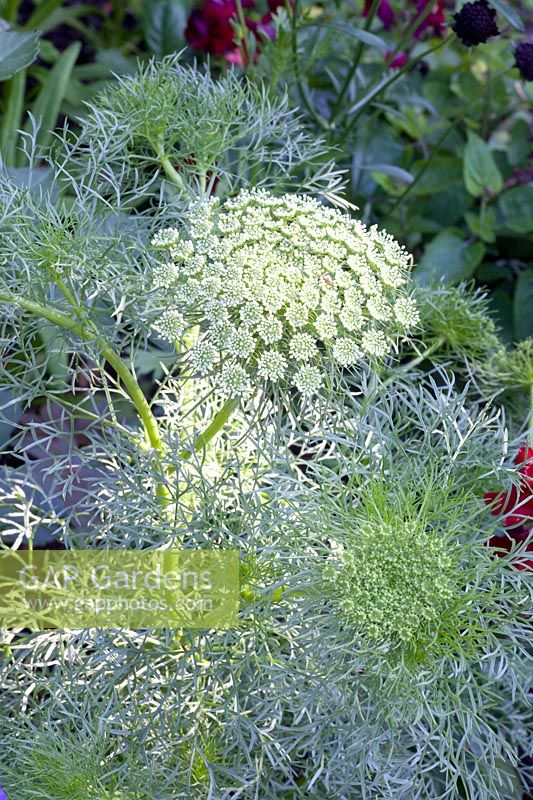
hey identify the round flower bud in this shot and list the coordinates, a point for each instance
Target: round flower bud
(524, 60)
(475, 23)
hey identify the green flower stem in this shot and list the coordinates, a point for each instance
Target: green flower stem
(171, 173)
(302, 90)
(128, 379)
(407, 37)
(428, 161)
(360, 106)
(216, 425)
(357, 58)
(218, 422)
(414, 362)
(10, 10)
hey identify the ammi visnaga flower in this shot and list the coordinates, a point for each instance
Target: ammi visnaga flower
(281, 288)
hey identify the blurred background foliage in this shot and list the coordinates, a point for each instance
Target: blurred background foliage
(435, 136)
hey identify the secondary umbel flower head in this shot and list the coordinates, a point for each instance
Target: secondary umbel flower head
(281, 287)
(475, 23)
(393, 581)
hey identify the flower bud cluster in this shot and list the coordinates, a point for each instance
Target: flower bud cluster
(392, 582)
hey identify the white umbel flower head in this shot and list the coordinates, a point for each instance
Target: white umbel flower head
(171, 325)
(406, 312)
(281, 287)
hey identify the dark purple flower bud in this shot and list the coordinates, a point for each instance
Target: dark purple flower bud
(524, 60)
(475, 23)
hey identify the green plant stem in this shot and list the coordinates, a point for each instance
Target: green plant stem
(216, 425)
(171, 173)
(423, 169)
(128, 379)
(360, 106)
(402, 370)
(298, 73)
(356, 61)
(10, 10)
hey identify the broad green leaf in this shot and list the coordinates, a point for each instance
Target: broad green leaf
(442, 173)
(57, 357)
(516, 207)
(523, 305)
(508, 13)
(164, 22)
(483, 224)
(37, 180)
(45, 109)
(17, 50)
(448, 259)
(480, 171)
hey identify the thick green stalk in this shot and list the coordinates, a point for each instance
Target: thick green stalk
(128, 378)
(171, 173)
(404, 368)
(216, 425)
(10, 10)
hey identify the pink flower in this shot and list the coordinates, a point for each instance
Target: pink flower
(435, 19)
(504, 544)
(399, 61)
(385, 12)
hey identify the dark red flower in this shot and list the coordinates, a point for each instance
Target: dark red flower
(517, 505)
(385, 12)
(273, 5)
(504, 544)
(435, 19)
(524, 454)
(210, 28)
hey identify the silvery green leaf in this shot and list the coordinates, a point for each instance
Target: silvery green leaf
(509, 13)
